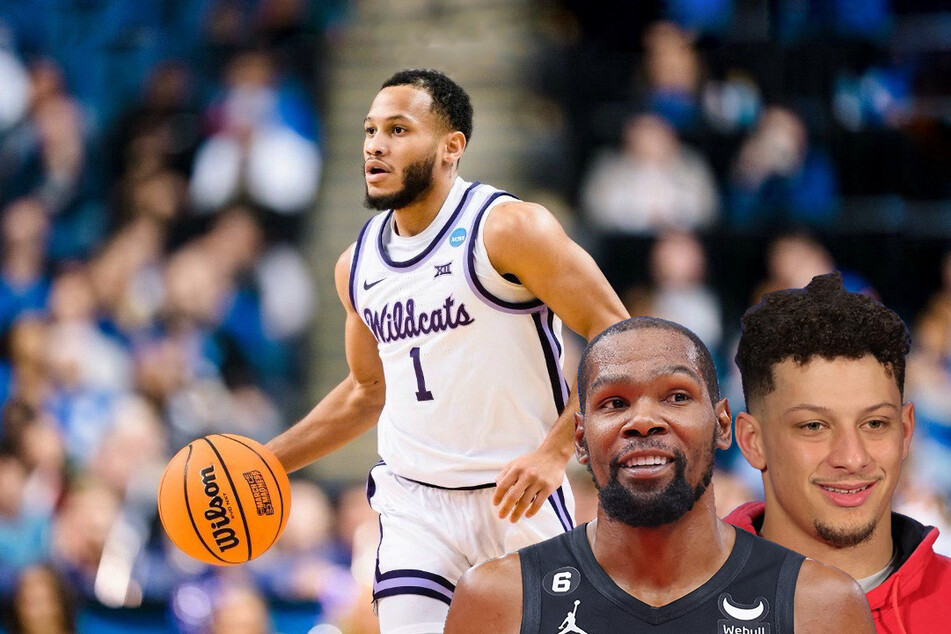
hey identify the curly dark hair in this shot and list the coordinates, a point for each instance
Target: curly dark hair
(821, 320)
(705, 364)
(450, 101)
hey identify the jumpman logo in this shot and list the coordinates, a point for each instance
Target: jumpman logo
(568, 625)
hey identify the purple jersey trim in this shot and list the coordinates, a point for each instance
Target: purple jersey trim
(476, 285)
(557, 501)
(550, 347)
(357, 249)
(416, 260)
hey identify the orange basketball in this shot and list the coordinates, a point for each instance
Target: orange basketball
(224, 499)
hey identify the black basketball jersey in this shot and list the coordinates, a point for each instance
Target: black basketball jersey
(565, 590)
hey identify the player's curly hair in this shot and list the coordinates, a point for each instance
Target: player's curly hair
(821, 320)
(705, 364)
(450, 101)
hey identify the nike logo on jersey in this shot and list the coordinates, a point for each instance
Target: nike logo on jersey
(368, 285)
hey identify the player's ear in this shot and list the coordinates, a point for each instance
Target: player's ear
(581, 448)
(749, 438)
(724, 424)
(907, 426)
(454, 144)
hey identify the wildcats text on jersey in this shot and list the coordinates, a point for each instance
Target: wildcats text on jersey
(403, 323)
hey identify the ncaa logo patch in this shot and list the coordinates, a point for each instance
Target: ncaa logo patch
(457, 237)
(742, 618)
(562, 581)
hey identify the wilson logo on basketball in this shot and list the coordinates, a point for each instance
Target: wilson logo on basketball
(262, 497)
(216, 513)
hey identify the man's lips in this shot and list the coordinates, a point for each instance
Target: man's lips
(847, 494)
(375, 170)
(644, 463)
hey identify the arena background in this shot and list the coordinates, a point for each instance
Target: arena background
(178, 177)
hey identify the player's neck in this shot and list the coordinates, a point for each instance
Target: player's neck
(415, 217)
(859, 561)
(660, 565)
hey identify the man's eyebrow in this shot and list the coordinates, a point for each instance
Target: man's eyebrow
(392, 117)
(608, 379)
(819, 409)
(677, 369)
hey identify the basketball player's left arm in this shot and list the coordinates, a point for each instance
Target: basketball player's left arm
(525, 240)
(829, 601)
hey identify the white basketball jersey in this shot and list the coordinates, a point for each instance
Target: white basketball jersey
(472, 361)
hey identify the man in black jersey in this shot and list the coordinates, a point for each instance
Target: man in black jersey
(657, 558)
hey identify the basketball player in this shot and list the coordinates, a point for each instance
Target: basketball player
(823, 374)
(656, 559)
(455, 294)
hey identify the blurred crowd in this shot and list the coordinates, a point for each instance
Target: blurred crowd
(158, 161)
(710, 151)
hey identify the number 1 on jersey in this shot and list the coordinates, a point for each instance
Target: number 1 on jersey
(422, 394)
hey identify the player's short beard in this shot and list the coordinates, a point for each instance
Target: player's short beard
(649, 508)
(844, 537)
(417, 180)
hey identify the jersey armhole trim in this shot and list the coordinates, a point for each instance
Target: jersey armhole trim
(786, 593)
(481, 291)
(531, 591)
(354, 262)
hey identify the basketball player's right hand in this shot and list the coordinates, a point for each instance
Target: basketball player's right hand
(524, 484)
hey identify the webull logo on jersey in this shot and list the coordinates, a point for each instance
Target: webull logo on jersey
(740, 618)
(217, 512)
(402, 321)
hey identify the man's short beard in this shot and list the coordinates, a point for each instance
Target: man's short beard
(844, 537)
(417, 180)
(651, 509)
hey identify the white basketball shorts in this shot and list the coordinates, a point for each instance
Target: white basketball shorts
(430, 536)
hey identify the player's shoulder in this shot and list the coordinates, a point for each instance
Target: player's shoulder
(490, 593)
(517, 228)
(342, 274)
(825, 595)
(514, 214)
(498, 579)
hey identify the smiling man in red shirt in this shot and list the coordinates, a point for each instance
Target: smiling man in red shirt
(823, 375)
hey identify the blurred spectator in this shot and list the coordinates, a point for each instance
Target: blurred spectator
(672, 75)
(780, 178)
(240, 609)
(80, 532)
(15, 96)
(792, 260)
(33, 437)
(88, 368)
(42, 603)
(678, 292)
(304, 564)
(162, 130)
(264, 144)
(24, 531)
(929, 376)
(27, 376)
(24, 282)
(126, 278)
(654, 183)
(50, 157)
